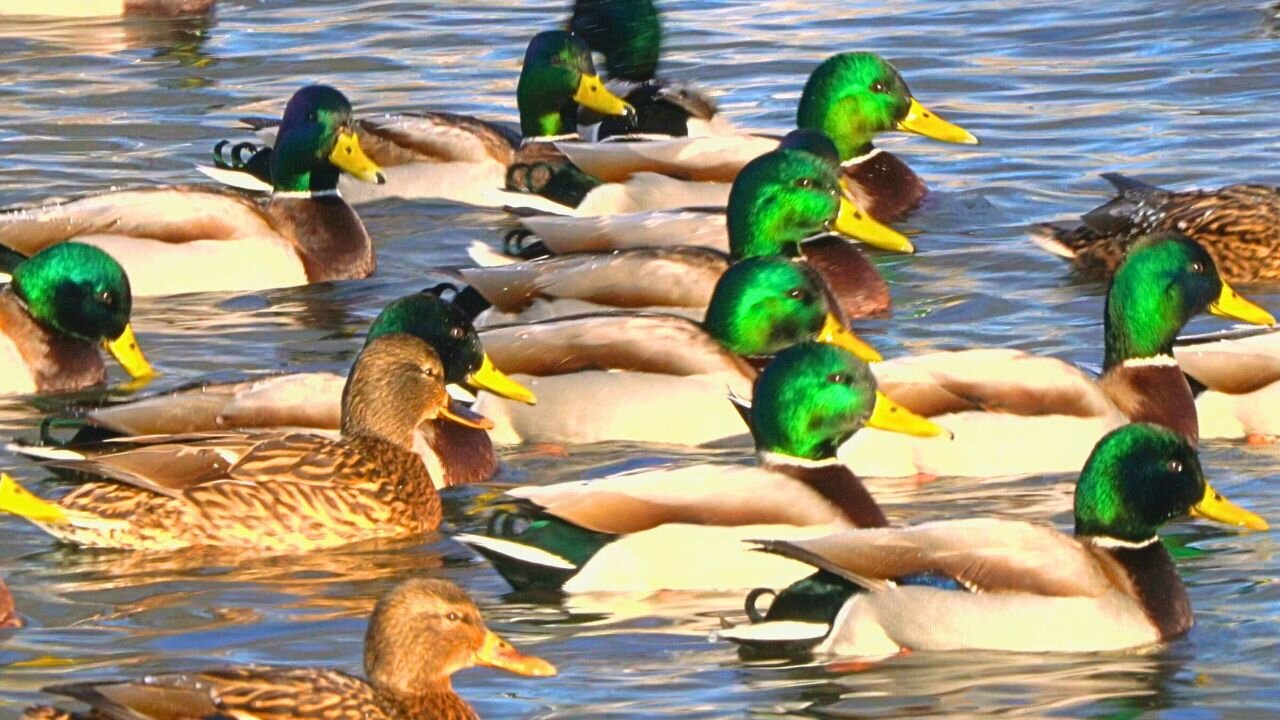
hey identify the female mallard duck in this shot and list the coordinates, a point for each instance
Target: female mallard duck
(852, 97)
(633, 532)
(659, 377)
(454, 454)
(61, 305)
(1054, 409)
(629, 35)
(273, 492)
(1239, 225)
(186, 239)
(1236, 380)
(779, 202)
(421, 632)
(461, 158)
(1005, 584)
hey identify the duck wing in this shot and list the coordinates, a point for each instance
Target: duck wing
(392, 140)
(715, 158)
(1233, 364)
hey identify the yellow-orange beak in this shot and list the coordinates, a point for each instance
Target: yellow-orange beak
(498, 653)
(126, 351)
(349, 157)
(923, 121)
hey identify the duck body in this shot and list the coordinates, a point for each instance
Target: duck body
(1238, 224)
(108, 8)
(1236, 380)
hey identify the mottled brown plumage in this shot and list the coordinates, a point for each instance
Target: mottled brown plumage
(1239, 225)
(420, 633)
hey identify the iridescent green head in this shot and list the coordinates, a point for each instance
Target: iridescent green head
(447, 329)
(1164, 281)
(558, 76)
(779, 199)
(316, 142)
(627, 32)
(76, 290)
(853, 97)
(1141, 476)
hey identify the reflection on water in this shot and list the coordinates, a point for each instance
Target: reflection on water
(1179, 93)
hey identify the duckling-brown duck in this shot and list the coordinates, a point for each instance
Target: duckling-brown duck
(420, 633)
(275, 492)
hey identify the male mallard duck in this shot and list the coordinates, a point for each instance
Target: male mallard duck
(1054, 409)
(188, 239)
(1236, 378)
(462, 158)
(1239, 225)
(62, 304)
(629, 35)
(455, 454)
(420, 634)
(852, 97)
(635, 532)
(779, 202)
(275, 492)
(659, 377)
(1005, 584)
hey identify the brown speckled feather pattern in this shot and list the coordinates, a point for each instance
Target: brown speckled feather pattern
(60, 363)
(1239, 225)
(885, 186)
(290, 492)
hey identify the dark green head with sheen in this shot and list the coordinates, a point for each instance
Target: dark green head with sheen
(316, 143)
(764, 305)
(440, 324)
(780, 199)
(809, 400)
(556, 78)
(76, 290)
(853, 97)
(627, 32)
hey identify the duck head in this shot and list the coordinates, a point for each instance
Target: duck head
(627, 32)
(558, 76)
(317, 141)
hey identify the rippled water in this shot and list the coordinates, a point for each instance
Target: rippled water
(1182, 92)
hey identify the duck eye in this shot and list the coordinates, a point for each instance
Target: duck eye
(107, 297)
(313, 116)
(457, 333)
(453, 617)
(796, 293)
(1175, 466)
(1197, 267)
(838, 378)
(878, 87)
(805, 183)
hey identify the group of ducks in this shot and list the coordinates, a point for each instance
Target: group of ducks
(689, 283)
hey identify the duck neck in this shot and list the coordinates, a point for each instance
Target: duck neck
(293, 170)
(1138, 324)
(1155, 581)
(835, 482)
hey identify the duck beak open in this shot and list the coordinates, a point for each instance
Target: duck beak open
(466, 418)
(835, 333)
(349, 157)
(490, 378)
(1234, 307)
(923, 121)
(498, 653)
(593, 95)
(859, 225)
(126, 352)
(889, 415)
(1219, 509)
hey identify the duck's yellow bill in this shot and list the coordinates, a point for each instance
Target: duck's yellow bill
(349, 157)
(859, 225)
(889, 415)
(1219, 509)
(17, 500)
(593, 95)
(923, 121)
(1231, 305)
(490, 378)
(498, 653)
(126, 351)
(835, 333)
(466, 418)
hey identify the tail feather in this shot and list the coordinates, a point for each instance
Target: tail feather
(17, 500)
(1050, 239)
(485, 256)
(1124, 183)
(792, 550)
(524, 567)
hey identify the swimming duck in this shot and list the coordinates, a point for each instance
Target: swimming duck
(634, 532)
(421, 632)
(1054, 409)
(454, 454)
(660, 377)
(1235, 377)
(187, 239)
(60, 306)
(779, 203)
(852, 97)
(461, 158)
(1239, 225)
(629, 35)
(1009, 585)
(274, 492)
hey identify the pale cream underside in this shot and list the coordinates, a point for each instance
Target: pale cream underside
(15, 374)
(1234, 415)
(160, 268)
(550, 309)
(478, 184)
(63, 8)
(650, 191)
(619, 160)
(662, 228)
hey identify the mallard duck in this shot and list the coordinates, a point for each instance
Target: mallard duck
(421, 632)
(109, 8)
(629, 35)
(779, 203)
(852, 97)
(1055, 410)
(189, 239)
(1010, 585)
(461, 158)
(454, 454)
(273, 492)
(61, 305)
(633, 532)
(659, 377)
(1235, 377)
(1239, 225)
